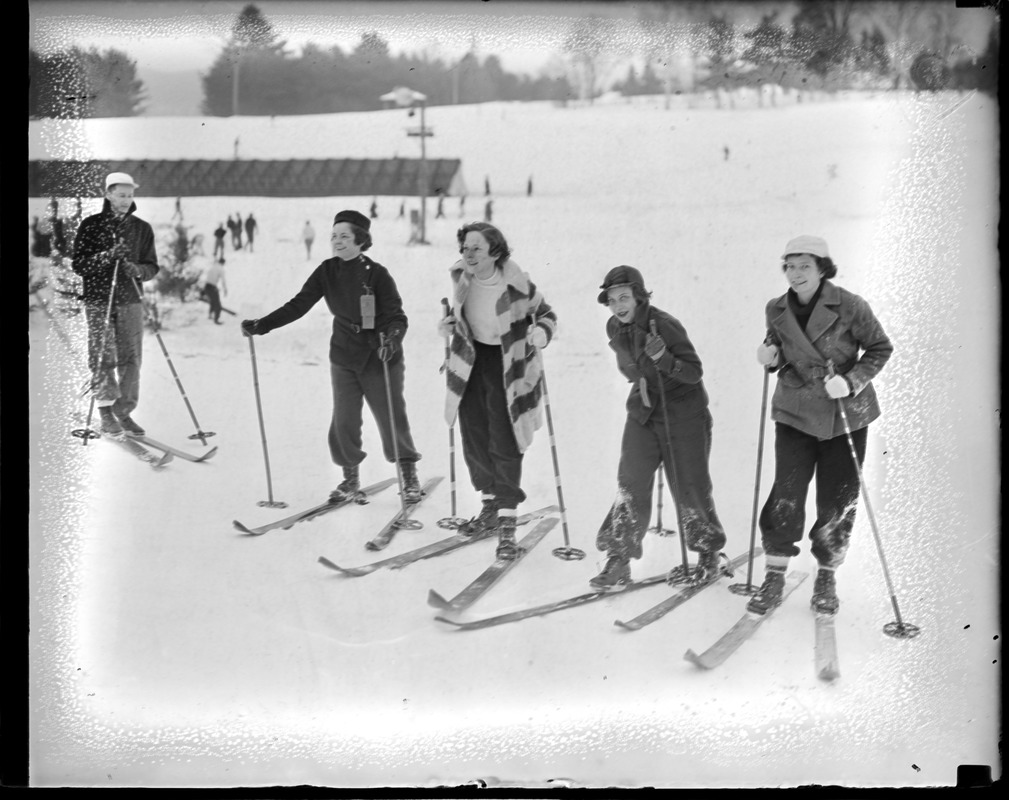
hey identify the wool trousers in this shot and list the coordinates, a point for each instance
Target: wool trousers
(489, 446)
(354, 387)
(644, 447)
(116, 372)
(798, 457)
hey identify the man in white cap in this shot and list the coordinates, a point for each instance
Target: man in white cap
(114, 252)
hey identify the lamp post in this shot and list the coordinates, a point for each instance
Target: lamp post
(408, 98)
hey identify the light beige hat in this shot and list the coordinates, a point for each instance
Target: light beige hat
(115, 178)
(813, 245)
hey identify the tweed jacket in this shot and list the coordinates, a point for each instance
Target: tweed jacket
(842, 330)
(520, 307)
(95, 254)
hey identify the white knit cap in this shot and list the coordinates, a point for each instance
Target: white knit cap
(813, 245)
(119, 177)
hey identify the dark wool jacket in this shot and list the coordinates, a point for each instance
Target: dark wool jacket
(842, 324)
(95, 256)
(678, 371)
(342, 283)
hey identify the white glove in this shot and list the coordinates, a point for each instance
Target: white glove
(768, 354)
(538, 337)
(837, 387)
(446, 326)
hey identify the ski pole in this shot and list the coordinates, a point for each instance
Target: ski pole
(682, 573)
(451, 522)
(403, 522)
(270, 503)
(567, 552)
(658, 528)
(897, 629)
(200, 433)
(87, 432)
(748, 587)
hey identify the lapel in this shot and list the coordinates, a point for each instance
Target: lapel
(823, 315)
(788, 325)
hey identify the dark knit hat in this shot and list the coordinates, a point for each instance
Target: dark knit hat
(354, 218)
(620, 276)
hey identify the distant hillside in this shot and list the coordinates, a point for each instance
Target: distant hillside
(172, 94)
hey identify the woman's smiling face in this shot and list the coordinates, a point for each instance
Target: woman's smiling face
(621, 302)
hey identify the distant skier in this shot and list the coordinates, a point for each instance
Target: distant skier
(215, 285)
(725, 150)
(529, 187)
(219, 235)
(462, 206)
(488, 211)
(251, 226)
(373, 209)
(826, 346)
(308, 236)
(441, 206)
(665, 373)
(402, 210)
(236, 232)
(178, 210)
(486, 186)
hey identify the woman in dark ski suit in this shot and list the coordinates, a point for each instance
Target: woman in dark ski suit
(666, 363)
(355, 354)
(815, 334)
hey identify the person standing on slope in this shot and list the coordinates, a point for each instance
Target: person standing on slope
(826, 346)
(117, 243)
(495, 374)
(665, 371)
(365, 303)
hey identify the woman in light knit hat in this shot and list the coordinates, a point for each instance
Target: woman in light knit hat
(825, 345)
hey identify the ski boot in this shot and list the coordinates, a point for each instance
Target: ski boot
(507, 549)
(130, 426)
(615, 575)
(824, 599)
(483, 523)
(768, 596)
(110, 424)
(411, 485)
(349, 487)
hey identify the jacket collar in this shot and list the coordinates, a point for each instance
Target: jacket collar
(824, 315)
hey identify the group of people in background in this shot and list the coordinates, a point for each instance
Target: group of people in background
(823, 344)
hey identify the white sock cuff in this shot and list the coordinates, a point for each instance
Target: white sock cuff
(486, 497)
(506, 512)
(779, 563)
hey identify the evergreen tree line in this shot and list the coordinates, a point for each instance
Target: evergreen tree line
(821, 48)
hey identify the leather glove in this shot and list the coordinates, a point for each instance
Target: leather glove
(837, 386)
(538, 337)
(250, 327)
(768, 355)
(389, 348)
(655, 348)
(446, 326)
(130, 270)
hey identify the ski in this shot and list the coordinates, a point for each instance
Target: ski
(438, 548)
(549, 608)
(827, 667)
(744, 628)
(175, 451)
(661, 609)
(316, 511)
(384, 536)
(492, 574)
(138, 450)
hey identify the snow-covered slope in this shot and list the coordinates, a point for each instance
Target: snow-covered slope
(170, 650)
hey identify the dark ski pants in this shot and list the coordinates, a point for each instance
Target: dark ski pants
(797, 457)
(116, 373)
(214, 298)
(643, 449)
(351, 389)
(488, 440)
